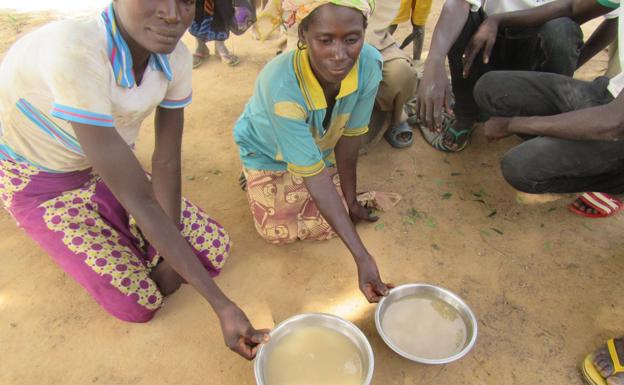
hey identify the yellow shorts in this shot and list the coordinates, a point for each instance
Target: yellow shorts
(417, 10)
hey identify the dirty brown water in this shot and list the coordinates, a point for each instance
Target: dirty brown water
(425, 326)
(314, 355)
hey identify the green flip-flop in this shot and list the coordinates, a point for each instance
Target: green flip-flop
(437, 139)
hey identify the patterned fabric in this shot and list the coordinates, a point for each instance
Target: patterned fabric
(211, 20)
(120, 57)
(294, 11)
(282, 126)
(76, 219)
(291, 12)
(205, 31)
(282, 208)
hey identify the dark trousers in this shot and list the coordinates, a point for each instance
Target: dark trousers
(545, 164)
(554, 47)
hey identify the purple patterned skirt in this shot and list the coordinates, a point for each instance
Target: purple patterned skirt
(78, 221)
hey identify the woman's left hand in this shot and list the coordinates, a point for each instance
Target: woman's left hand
(370, 281)
(357, 212)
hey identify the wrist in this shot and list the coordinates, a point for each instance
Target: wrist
(352, 203)
(363, 259)
(493, 21)
(223, 307)
(434, 61)
(513, 127)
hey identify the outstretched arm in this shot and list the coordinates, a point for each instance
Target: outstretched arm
(604, 122)
(331, 207)
(166, 160)
(113, 160)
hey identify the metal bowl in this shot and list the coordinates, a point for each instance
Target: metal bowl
(338, 324)
(417, 288)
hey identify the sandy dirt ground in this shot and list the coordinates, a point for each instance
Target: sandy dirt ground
(545, 284)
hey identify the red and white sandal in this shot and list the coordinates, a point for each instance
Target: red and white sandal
(604, 204)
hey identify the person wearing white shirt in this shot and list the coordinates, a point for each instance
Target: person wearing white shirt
(576, 127)
(447, 116)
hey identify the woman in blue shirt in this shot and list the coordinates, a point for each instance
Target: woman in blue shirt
(299, 134)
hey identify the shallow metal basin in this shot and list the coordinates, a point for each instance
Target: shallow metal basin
(443, 294)
(338, 324)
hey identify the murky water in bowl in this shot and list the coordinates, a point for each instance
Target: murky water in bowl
(425, 326)
(314, 355)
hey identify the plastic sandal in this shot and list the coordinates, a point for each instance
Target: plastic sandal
(199, 58)
(229, 59)
(604, 204)
(437, 139)
(393, 135)
(592, 375)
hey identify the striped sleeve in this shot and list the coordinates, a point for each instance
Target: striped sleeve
(77, 115)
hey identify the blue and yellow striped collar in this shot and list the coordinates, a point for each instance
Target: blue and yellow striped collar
(310, 86)
(120, 56)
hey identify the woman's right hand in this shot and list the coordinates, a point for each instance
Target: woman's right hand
(370, 282)
(238, 333)
(434, 96)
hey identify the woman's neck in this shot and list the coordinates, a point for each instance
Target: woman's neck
(330, 90)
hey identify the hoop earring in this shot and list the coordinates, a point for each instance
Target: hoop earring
(301, 45)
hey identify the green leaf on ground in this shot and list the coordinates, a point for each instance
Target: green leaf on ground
(445, 160)
(412, 217)
(380, 226)
(485, 232)
(435, 246)
(550, 210)
(216, 172)
(399, 172)
(496, 230)
(547, 246)
(190, 177)
(438, 182)
(456, 174)
(430, 223)
(588, 227)
(446, 195)
(492, 213)
(408, 221)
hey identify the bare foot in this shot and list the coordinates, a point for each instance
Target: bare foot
(225, 55)
(603, 363)
(583, 207)
(201, 53)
